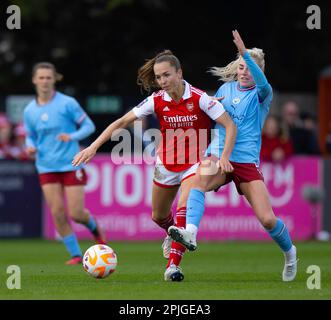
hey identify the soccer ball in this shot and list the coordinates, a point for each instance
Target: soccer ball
(100, 261)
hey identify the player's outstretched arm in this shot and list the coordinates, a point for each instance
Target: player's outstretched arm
(239, 42)
(230, 138)
(263, 87)
(87, 154)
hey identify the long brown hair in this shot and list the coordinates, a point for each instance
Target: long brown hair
(146, 77)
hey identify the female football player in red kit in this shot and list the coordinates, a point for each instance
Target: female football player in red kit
(185, 114)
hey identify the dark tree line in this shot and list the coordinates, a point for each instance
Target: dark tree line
(99, 44)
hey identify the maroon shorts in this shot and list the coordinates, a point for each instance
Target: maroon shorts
(69, 178)
(243, 172)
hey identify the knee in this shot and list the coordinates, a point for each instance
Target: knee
(59, 216)
(203, 183)
(268, 222)
(77, 216)
(77, 213)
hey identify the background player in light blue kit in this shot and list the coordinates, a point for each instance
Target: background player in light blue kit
(246, 96)
(55, 123)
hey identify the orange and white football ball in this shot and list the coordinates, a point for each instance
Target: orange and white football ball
(100, 261)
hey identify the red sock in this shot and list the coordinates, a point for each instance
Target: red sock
(165, 223)
(177, 250)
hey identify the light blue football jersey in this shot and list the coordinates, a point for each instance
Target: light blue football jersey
(43, 123)
(249, 114)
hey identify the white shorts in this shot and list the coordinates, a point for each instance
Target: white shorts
(165, 178)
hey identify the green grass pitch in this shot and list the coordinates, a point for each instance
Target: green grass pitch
(216, 271)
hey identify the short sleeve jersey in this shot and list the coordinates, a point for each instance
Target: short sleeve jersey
(43, 125)
(248, 114)
(185, 125)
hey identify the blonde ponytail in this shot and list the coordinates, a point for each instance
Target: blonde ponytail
(229, 72)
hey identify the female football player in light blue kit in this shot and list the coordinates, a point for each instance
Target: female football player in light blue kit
(246, 96)
(55, 123)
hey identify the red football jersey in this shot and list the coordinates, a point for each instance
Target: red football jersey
(185, 126)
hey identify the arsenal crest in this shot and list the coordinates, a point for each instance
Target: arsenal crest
(190, 106)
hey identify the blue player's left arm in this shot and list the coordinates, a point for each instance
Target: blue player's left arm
(262, 84)
(86, 127)
(83, 121)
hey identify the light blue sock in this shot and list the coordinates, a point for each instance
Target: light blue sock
(72, 245)
(281, 235)
(91, 225)
(195, 207)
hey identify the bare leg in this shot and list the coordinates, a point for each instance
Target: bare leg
(162, 199)
(54, 197)
(209, 177)
(77, 212)
(75, 200)
(257, 195)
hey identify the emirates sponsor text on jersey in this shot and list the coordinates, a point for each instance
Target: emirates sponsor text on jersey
(180, 121)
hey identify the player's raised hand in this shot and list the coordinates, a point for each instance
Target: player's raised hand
(239, 42)
(84, 156)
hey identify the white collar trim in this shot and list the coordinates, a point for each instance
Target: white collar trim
(187, 93)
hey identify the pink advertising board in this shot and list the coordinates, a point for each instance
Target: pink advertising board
(120, 198)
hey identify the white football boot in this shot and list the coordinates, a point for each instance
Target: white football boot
(166, 246)
(184, 237)
(173, 273)
(290, 267)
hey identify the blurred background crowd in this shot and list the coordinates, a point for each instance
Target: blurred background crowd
(291, 133)
(12, 140)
